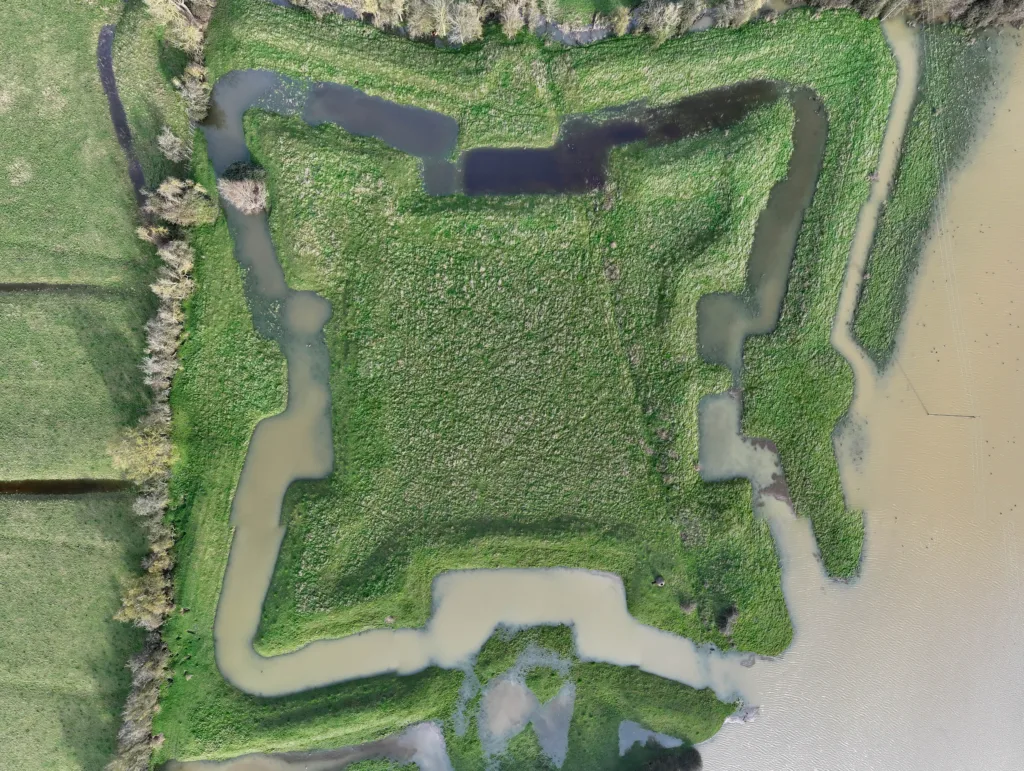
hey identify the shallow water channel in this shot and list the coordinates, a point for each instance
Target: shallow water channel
(296, 444)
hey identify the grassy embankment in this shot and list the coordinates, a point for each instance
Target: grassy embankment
(69, 380)
(956, 78)
(442, 464)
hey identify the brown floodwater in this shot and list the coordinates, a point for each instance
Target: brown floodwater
(919, 665)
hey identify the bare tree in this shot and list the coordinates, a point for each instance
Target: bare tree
(389, 13)
(466, 24)
(172, 146)
(441, 16)
(195, 91)
(184, 203)
(620, 20)
(418, 19)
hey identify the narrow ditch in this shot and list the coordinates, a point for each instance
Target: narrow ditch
(63, 486)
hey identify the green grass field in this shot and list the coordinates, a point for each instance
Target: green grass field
(62, 656)
(437, 468)
(479, 423)
(70, 355)
(69, 381)
(66, 207)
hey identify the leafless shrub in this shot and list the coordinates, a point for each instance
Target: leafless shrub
(466, 24)
(620, 20)
(147, 601)
(318, 8)
(172, 146)
(155, 234)
(135, 740)
(142, 455)
(170, 286)
(244, 186)
(182, 202)
(195, 91)
(177, 255)
(389, 13)
(530, 10)
(660, 19)
(511, 18)
(249, 196)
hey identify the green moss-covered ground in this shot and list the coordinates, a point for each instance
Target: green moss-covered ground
(548, 419)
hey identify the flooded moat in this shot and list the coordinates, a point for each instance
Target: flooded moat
(880, 674)
(468, 605)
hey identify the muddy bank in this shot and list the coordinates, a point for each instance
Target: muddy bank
(63, 486)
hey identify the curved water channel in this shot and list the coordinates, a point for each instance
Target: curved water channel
(468, 605)
(297, 444)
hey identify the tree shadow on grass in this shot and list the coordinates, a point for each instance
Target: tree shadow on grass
(115, 355)
(90, 722)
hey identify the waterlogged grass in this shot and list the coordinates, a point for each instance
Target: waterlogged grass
(605, 696)
(62, 656)
(955, 81)
(545, 420)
